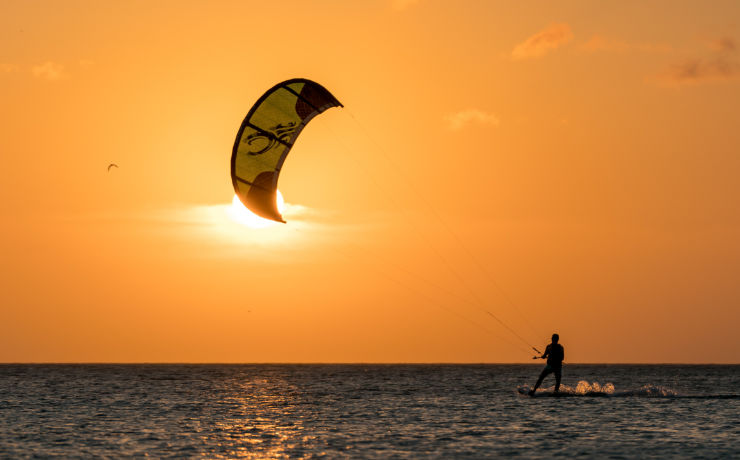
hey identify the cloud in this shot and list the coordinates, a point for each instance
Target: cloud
(8, 68)
(458, 120)
(544, 41)
(723, 44)
(600, 43)
(48, 71)
(403, 4)
(722, 65)
(699, 70)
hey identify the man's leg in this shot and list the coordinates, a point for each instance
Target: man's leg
(544, 373)
(558, 374)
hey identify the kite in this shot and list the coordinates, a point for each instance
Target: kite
(266, 136)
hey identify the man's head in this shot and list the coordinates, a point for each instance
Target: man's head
(555, 338)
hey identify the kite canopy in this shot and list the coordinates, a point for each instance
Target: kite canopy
(266, 136)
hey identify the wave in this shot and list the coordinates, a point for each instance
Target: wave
(594, 389)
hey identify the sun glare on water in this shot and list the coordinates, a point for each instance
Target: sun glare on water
(240, 214)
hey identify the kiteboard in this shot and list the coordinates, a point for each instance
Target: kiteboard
(524, 390)
(542, 393)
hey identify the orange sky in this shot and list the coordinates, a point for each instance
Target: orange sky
(582, 156)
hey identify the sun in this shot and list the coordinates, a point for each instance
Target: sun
(240, 214)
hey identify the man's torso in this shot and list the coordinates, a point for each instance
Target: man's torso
(555, 355)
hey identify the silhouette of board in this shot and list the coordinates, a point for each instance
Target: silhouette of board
(551, 394)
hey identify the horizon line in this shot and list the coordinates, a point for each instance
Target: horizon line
(379, 363)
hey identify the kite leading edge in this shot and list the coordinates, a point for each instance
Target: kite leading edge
(266, 136)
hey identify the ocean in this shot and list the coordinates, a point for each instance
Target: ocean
(367, 411)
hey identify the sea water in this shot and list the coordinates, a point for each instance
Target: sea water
(367, 411)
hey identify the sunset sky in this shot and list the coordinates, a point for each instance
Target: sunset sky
(568, 167)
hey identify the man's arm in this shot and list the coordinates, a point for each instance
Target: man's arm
(546, 353)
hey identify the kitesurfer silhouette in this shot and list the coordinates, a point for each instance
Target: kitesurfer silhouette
(555, 354)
